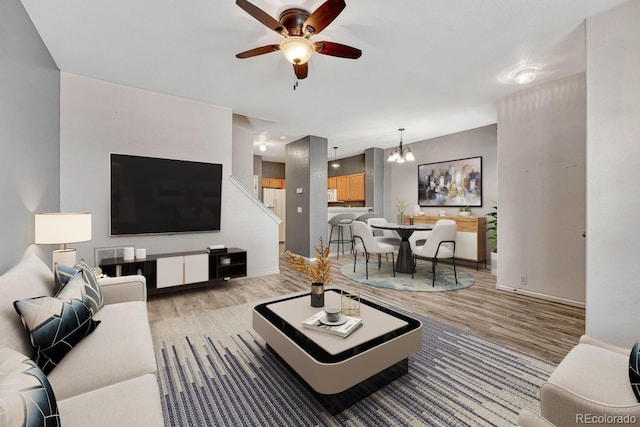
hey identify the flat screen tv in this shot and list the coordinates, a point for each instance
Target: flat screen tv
(162, 196)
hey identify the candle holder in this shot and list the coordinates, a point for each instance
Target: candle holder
(350, 303)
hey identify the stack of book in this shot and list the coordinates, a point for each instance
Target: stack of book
(343, 330)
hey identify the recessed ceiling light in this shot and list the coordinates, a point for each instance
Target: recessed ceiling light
(263, 147)
(524, 76)
(282, 138)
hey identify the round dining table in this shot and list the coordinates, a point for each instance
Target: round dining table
(404, 262)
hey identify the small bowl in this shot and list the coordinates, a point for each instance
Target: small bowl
(333, 314)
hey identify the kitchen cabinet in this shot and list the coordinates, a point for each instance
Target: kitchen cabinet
(350, 187)
(331, 183)
(273, 183)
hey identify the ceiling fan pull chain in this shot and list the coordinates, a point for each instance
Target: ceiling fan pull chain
(295, 82)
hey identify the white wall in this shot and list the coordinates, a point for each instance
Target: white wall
(98, 117)
(242, 167)
(613, 153)
(29, 132)
(541, 187)
(401, 180)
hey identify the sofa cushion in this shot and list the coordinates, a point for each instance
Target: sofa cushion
(134, 402)
(120, 349)
(29, 278)
(93, 290)
(57, 324)
(634, 369)
(26, 398)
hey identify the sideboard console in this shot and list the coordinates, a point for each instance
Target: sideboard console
(471, 240)
(183, 270)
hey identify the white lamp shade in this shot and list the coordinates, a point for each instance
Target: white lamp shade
(62, 228)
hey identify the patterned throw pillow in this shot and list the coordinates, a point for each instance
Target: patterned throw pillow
(26, 398)
(62, 273)
(634, 369)
(57, 324)
(92, 289)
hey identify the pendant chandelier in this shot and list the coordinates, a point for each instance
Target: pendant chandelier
(335, 163)
(400, 154)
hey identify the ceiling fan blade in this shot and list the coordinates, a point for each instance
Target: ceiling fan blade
(323, 16)
(337, 49)
(262, 16)
(258, 51)
(301, 70)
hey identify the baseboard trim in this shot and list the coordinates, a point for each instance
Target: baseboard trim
(538, 295)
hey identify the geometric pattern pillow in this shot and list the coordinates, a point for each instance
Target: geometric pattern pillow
(634, 369)
(57, 324)
(92, 289)
(26, 398)
(62, 274)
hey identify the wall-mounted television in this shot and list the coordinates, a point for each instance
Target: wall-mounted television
(163, 196)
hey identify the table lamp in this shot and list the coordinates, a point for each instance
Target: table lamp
(60, 229)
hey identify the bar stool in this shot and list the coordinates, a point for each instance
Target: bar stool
(341, 221)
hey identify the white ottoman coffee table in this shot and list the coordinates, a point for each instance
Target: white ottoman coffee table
(339, 371)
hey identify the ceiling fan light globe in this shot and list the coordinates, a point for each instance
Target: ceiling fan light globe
(296, 49)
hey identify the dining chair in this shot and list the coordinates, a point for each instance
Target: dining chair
(365, 242)
(441, 244)
(419, 237)
(341, 222)
(366, 216)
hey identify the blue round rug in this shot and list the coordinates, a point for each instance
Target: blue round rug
(421, 281)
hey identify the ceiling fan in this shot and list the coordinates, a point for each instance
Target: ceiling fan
(297, 26)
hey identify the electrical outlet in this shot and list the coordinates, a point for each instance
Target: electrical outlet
(299, 209)
(523, 280)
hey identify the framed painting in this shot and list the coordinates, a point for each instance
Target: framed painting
(453, 183)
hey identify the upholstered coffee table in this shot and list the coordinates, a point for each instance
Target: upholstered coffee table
(339, 371)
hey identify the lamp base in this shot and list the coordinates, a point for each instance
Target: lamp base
(64, 257)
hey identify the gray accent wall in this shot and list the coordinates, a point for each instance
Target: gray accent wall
(29, 134)
(374, 175)
(306, 168)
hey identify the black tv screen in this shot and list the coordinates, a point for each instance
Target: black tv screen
(152, 196)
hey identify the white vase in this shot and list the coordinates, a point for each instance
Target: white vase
(494, 263)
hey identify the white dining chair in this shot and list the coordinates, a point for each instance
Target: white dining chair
(441, 244)
(366, 243)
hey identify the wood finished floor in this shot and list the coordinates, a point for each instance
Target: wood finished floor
(544, 329)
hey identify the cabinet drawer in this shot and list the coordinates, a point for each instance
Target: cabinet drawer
(170, 271)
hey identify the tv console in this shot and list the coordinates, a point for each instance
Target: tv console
(183, 270)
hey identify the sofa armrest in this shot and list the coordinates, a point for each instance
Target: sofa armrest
(528, 418)
(586, 339)
(123, 289)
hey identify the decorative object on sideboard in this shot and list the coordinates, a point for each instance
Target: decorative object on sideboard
(129, 253)
(401, 205)
(401, 154)
(141, 253)
(465, 211)
(318, 272)
(61, 229)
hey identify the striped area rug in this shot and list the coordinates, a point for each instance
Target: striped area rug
(214, 370)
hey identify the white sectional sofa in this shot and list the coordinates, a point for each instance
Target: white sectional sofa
(109, 377)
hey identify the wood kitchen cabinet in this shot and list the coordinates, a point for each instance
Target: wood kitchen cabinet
(331, 183)
(350, 187)
(273, 183)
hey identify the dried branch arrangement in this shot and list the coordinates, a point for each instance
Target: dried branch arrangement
(316, 272)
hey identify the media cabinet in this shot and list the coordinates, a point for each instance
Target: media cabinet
(178, 271)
